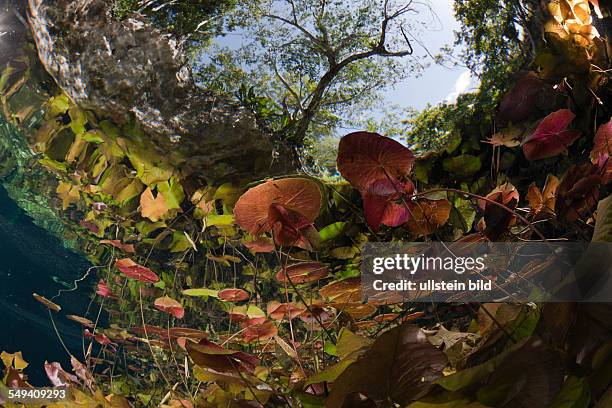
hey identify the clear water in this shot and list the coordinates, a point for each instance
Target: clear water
(31, 260)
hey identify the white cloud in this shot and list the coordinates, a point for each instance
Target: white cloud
(462, 85)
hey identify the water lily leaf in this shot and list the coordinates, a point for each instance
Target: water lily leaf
(543, 202)
(13, 360)
(69, 194)
(214, 220)
(173, 193)
(464, 165)
(385, 203)
(129, 248)
(151, 207)
(578, 192)
(365, 157)
(282, 311)
(522, 100)
(602, 143)
(290, 228)
(103, 290)
(576, 393)
(512, 385)
(259, 332)
(332, 231)
(426, 216)
(48, 304)
(201, 292)
(260, 245)
(233, 295)
(168, 305)
(603, 221)
(497, 219)
(551, 137)
(306, 272)
(301, 195)
(399, 368)
(343, 291)
(207, 354)
(135, 271)
(81, 320)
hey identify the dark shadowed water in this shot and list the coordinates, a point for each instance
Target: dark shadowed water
(31, 260)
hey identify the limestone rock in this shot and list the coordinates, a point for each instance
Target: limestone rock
(131, 69)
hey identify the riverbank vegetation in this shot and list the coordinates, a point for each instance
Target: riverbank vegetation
(239, 292)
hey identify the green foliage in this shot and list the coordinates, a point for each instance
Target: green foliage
(197, 21)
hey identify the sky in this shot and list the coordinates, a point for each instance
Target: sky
(436, 84)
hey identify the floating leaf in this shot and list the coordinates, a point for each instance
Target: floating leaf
(551, 137)
(343, 291)
(282, 311)
(233, 295)
(332, 231)
(48, 304)
(259, 332)
(135, 271)
(297, 194)
(522, 101)
(290, 228)
(129, 248)
(81, 320)
(427, 216)
(385, 203)
(153, 208)
(260, 245)
(497, 218)
(399, 368)
(543, 202)
(603, 221)
(201, 292)
(602, 143)
(205, 353)
(168, 305)
(103, 290)
(578, 192)
(68, 193)
(365, 157)
(306, 272)
(464, 165)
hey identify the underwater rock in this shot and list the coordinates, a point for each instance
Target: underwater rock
(131, 69)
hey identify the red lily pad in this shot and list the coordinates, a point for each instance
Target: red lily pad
(54, 307)
(281, 311)
(428, 215)
(365, 157)
(497, 219)
(386, 203)
(298, 194)
(551, 137)
(233, 295)
(259, 332)
(306, 272)
(135, 271)
(260, 246)
(103, 290)
(290, 228)
(168, 305)
(129, 248)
